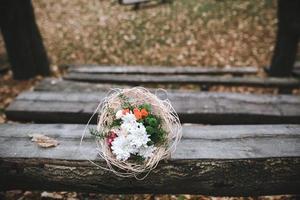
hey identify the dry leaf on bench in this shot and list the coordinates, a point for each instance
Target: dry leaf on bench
(43, 141)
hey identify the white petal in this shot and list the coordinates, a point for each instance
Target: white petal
(119, 114)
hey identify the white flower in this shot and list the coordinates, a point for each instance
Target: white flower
(119, 114)
(121, 148)
(138, 135)
(139, 129)
(147, 151)
(128, 118)
(127, 127)
(132, 139)
(136, 141)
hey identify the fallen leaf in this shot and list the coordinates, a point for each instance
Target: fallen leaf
(51, 195)
(43, 141)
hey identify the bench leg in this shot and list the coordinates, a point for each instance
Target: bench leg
(287, 38)
(25, 49)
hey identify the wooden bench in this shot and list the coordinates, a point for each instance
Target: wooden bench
(205, 107)
(178, 75)
(226, 157)
(161, 70)
(137, 3)
(213, 160)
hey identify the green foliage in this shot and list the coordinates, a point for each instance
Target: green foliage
(150, 143)
(158, 137)
(152, 122)
(123, 97)
(125, 102)
(116, 122)
(146, 106)
(153, 128)
(137, 158)
(152, 119)
(96, 133)
(150, 130)
(126, 105)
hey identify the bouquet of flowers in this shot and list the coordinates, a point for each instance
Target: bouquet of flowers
(135, 130)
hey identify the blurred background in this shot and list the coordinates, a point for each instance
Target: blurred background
(194, 32)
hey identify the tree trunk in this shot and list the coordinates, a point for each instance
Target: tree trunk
(287, 38)
(22, 39)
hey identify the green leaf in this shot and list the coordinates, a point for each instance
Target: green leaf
(116, 122)
(148, 118)
(158, 136)
(126, 105)
(153, 122)
(150, 130)
(146, 106)
(150, 143)
(96, 133)
(137, 158)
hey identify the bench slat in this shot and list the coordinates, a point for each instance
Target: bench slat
(296, 70)
(96, 69)
(214, 160)
(53, 84)
(129, 2)
(192, 107)
(133, 79)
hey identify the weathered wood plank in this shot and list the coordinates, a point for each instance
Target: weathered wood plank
(192, 107)
(53, 84)
(214, 160)
(296, 70)
(60, 85)
(211, 142)
(129, 2)
(133, 79)
(96, 69)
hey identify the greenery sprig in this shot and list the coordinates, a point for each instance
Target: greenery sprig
(96, 133)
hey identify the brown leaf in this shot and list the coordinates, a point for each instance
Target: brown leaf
(43, 141)
(51, 195)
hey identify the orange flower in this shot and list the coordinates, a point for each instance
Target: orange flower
(125, 111)
(144, 112)
(137, 113)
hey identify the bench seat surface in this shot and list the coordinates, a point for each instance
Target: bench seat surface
(218, 160)
(192, 107)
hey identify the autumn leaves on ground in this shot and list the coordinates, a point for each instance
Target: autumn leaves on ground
(194, 33)
(183, 33)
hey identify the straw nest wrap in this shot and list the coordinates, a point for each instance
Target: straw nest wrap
(162, 108)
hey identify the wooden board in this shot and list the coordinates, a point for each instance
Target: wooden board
(192, 107)
(53, 84)
(61, 85)
(96, 69)
(296, 70)
(134, 79)
(131, 1)
(213, 160)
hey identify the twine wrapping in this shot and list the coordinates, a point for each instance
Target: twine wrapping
(137, 96)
